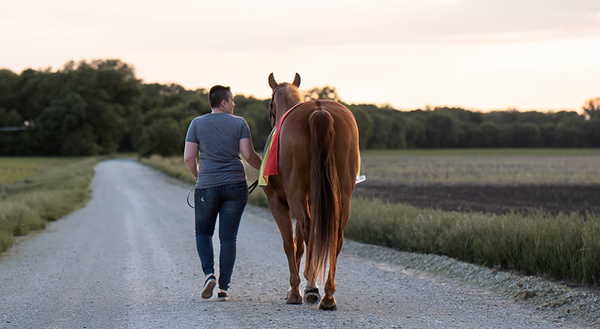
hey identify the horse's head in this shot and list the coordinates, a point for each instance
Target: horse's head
(285, 95)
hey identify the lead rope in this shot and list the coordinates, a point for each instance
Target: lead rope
(188, 196)
(251, 189)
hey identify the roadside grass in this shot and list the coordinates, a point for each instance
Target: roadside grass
(566, 246)
(13, 169)
(171, 166)
(52, 192)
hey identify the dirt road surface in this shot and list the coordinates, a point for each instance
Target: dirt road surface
(128, 260)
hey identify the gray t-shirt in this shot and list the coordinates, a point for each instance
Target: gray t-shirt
(218, 137)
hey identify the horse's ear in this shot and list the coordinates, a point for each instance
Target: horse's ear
(296, 80)
(272, 82)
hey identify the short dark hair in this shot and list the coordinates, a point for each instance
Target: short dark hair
(217, 94)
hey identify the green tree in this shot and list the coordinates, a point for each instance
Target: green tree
(321, 93)
(81, 142)
(442, 130)
(570, 132)
(8, 89)
(256, 114)
(8, 139)
(547, 130)
(85, 106)
(162, 137)
(416, 134)
(592, 108)
(10, 118)
(520, 135)
(58, 121)
(162, 130)
(592, 132)
(388, 129)
(115, 92)
(364, 123)
(489, 134)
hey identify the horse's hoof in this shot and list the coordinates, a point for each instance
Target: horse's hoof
(294, 301)
(328, 304)
(328, 307)
(311, 296)
(293, 298)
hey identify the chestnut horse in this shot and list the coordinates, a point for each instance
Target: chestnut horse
(317, 167)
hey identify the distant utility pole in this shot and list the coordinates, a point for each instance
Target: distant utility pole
(26, 125)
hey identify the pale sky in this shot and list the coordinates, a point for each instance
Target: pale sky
(476, 54)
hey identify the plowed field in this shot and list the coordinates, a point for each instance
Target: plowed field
(498, 199)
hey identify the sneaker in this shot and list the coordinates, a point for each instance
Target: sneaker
(209, 285)
(223, 296)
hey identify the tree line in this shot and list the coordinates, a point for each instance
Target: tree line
(101, 107)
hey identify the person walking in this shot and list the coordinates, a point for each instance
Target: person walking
(221, 189)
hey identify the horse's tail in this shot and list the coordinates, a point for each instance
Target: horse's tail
(325, 192)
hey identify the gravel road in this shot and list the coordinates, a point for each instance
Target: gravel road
(128, 260)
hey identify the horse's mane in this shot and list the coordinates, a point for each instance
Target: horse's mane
(291, 96)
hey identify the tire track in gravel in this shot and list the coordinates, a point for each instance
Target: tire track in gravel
(128, 260)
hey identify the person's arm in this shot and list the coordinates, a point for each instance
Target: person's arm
(189, 157)
(249, 153)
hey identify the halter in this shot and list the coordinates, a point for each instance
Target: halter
(272, 117)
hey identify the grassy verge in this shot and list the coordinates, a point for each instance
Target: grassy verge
(171, 166)
(13, 169)
(563, 246)
(28, 204)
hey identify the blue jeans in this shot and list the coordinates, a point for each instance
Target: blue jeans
(228, 201)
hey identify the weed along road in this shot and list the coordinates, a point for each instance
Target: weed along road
(128, 260)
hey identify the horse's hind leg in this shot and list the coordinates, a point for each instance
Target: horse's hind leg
(311, 291)
(299, 207)
(328, 302)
